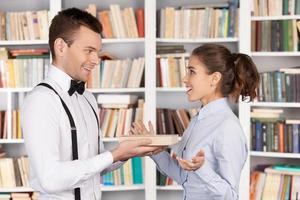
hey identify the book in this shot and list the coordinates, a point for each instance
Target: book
(157, 140)
(116, 99)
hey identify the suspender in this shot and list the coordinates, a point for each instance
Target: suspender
(73, 130)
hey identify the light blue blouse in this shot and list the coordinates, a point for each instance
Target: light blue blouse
(218, 132)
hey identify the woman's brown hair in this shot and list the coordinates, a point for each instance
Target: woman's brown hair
(239, 73)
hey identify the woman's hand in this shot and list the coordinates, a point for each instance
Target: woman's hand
(138, 128)
(196, 163)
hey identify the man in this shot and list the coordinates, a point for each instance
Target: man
(59, 119)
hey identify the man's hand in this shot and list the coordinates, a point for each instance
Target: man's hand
(132, 148)
(196, 163)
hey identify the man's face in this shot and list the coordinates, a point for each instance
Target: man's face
(83, 55)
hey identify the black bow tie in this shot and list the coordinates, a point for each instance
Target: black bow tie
(76, 86)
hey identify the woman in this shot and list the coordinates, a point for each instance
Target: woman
(214, 77)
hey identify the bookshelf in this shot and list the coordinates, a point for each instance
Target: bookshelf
(265, 61)
(158, 97)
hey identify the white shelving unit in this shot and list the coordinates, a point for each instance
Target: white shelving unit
(158, 97)
(265, 61)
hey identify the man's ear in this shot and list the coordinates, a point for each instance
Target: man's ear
(60, 47)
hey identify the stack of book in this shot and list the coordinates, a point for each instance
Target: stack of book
(29, 25)
(118, 112)
(173, 121)
(23, 67)
(270, 132)
(275, 35)
(280, 86)
(170, 69)
(14, 172)
(276, 182)
(212, 20)
(126, 73)
(129, 174)
(117, 23)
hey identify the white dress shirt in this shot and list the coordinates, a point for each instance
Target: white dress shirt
(217, 131)
(47, 135)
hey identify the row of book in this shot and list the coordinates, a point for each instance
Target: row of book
(19, 195)
(130, 173)
(275, 182)
(275, 35)
(280, 86)
(163, 180)
(14, 172)
(198, 22)
(275, 8)
(170, 70)
(15, 126)
(170, 121)
(117, 113)
(23, 67)
(126, 73)
(126, 23)
(270, 132)
(29, 25)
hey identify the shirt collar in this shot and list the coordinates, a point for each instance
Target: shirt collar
(212, 107)
(60, 77)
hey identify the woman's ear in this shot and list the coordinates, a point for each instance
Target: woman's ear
(215, 78)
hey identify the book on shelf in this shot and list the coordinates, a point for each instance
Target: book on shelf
(184, 22)
(126, 73)
(120, 23)
(272, 183)
(26, 25)
(274, 35)
(173, 121)
(156, 140)
(280, 86)
(170, 70)
(275, 135)
(275, 8)
(116, 99)
(14, 172)
(117, 121)
(130, 173)
(23, 67)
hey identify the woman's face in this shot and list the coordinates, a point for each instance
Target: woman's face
(199, 84)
